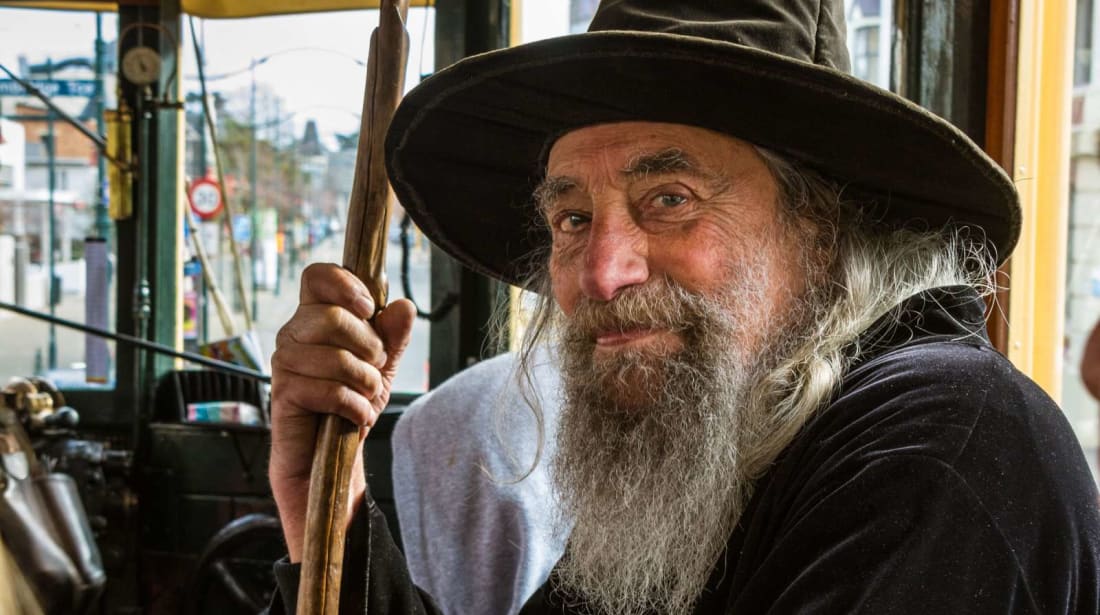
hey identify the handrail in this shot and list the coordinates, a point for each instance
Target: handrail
(144, 344)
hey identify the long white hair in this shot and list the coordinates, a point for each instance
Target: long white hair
(861, 267)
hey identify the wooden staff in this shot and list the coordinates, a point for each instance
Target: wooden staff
(364, 255)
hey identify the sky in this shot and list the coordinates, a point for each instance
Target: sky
(312, 64)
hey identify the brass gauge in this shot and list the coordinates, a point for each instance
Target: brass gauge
(141, 65)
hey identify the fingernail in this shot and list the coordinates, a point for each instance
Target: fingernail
(364, 306)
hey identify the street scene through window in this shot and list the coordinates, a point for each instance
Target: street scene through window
(284, 98)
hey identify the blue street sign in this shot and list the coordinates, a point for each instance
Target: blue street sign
(192, 268)
(51, 87)
(242, 228)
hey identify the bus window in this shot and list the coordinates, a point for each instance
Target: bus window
(869, 32)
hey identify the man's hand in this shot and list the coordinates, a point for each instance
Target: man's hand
(328, 359)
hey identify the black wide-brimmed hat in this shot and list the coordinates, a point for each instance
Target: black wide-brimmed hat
(468, 145)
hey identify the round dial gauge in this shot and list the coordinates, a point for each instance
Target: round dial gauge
(141, 65)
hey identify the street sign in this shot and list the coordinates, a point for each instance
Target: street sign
(50, 87)
(206, 198)
(242, 228)
(192, 268)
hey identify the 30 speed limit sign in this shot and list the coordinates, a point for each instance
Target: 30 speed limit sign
(206, 198)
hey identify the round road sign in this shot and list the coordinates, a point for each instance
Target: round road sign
(206, 198)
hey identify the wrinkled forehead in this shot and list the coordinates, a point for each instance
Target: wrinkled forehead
(639, 148)
(635, 138)
(623, 152)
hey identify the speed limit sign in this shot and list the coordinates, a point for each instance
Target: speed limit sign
(206, 198)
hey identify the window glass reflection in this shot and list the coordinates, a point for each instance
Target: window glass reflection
(1082, 308)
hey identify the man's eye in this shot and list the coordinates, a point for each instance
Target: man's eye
(671, 200)
(568, 223)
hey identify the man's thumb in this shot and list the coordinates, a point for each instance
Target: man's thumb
(394, 326)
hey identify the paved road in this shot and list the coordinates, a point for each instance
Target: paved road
(274, 310)
(24, 342)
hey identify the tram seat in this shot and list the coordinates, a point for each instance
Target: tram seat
(179, 389)
(196, 476)
(199, 477)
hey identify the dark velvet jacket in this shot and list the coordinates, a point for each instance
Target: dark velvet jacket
(938, 480)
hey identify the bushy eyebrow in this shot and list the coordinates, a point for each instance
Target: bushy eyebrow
(672, 160)
(669, 160)
(549, 189)
(660, 162)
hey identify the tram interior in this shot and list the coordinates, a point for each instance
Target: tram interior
(165, 459)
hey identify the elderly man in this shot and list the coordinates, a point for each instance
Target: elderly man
(765, 278)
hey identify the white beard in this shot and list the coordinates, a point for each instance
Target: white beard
(648, 449)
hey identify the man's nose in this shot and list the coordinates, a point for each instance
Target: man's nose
(616, 257)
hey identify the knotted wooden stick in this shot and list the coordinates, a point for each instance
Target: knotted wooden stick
(365, 256)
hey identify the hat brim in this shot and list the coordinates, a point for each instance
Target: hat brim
(468, 145)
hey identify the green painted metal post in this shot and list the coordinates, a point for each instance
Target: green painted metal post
(147, 242)
(166, 225)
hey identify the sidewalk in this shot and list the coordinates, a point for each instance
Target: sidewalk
(24, 341)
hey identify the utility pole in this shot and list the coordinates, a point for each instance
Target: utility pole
(102, 220)
(22, 252)
(49, 140)
(255, 226)
(277, 159)
(98, 272)
(202, 170)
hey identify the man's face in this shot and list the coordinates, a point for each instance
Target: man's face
(635, 202)
(680, 284)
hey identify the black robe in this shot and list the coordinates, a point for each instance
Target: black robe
(938, 480)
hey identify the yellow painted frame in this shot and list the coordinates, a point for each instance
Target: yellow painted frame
(216, 9)
(1041, 173)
